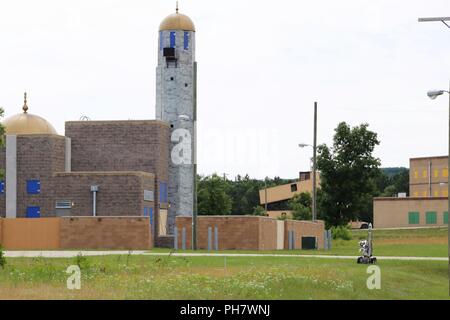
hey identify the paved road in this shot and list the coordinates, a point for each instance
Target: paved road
(70, 254)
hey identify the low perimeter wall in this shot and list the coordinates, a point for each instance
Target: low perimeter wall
(105, 233)
(76, 233)
(304, 229)
(248, 232)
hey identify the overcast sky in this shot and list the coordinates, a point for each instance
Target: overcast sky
(262, 64)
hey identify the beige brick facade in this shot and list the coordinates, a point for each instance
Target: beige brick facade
(428, 177)
(395, 212)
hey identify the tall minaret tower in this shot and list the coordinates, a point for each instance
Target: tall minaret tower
(176, 105)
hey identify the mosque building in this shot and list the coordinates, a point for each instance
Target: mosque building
(111, 168)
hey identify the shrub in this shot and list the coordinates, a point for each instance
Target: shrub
(259, 211)
(82, 262)
(341, 232)
(2, 258)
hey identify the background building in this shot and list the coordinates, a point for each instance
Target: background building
(99, 168)
(277, 197)
(428, 177)
(112, 168)
(427, 204)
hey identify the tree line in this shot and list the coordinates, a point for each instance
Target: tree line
(350, 177)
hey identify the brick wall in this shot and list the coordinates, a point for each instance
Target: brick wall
(38, 157)
(304, 229)
(120, 193)
(3, 171)
(120, 146)
(105, 233)
(1, 231)
(267, 234)
(235, 232)
(141, 145)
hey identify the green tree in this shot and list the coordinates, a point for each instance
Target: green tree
(401, 181)
(301, 206)
(212, 196)
(348, 172)
(259, 211)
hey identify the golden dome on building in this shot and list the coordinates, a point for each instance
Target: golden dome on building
(25, 123)
(177, 21)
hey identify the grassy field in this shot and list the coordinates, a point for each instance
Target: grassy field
(424, 242)
(150, 277)
(168, 277)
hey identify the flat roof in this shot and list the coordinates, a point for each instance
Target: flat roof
(408, 198)
(423, 158)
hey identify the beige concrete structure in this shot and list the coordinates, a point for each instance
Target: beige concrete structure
(410, 212)
(279, 214)
(427, 203)
(287, 191)
(23, 233)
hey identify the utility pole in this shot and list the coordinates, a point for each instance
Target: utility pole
(314, 199)
(265, 193)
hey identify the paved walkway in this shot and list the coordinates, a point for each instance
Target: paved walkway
(70, 254)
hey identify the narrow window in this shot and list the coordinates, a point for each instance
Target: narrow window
(172, 39)
(2, 187)
(186, 40)
(150, 214)
(413, 218)
(162, 192)
(161, 40)
(431, 217)
(446, 217)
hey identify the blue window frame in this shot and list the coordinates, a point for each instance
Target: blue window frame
(172, 39)
(150, 214)
(33, 212)
(2, 187)
(186, 40)
(161, 40)
(163, 192)
(33, 186)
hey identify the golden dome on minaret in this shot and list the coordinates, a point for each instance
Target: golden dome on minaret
(25, 123)
(177, 21)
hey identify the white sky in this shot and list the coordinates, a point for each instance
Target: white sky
(262, 64)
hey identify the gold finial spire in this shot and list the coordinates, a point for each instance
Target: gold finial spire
(25, 106)
(177, 7)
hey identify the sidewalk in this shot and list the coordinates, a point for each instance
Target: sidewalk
(71, 254)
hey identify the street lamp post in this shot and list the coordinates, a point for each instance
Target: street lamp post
(441, 19)
(433, 95)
